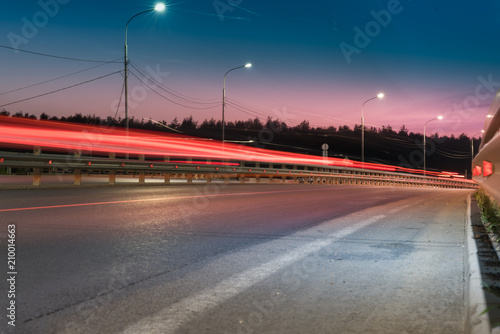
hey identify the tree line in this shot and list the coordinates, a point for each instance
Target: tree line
(382, 145)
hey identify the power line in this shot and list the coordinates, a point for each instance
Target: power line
(54, 79)
(256, 113)
(165, 126)
(174, 93)
(241, 107)
(59, 90)
(58, 57)
(166, 98)
(244, 111)
(451, 155)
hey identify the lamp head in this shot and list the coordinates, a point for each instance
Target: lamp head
(439, 117)
(248, 65)
(380, 95)
(160, 7)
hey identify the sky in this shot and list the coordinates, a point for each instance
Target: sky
(318, 60)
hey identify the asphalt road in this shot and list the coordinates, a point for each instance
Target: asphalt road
(236, 259)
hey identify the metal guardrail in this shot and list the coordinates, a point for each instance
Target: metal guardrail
(207, 170)
(485, 164)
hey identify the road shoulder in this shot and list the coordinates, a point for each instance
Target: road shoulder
(482, 273)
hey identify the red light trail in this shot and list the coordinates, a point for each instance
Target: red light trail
(69, 137)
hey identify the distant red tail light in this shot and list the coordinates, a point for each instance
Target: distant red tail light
(477, 171)
(487, 168)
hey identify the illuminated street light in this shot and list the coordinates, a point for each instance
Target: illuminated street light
(440, 118)
(224, 96)
(159, 8)
(379, 96)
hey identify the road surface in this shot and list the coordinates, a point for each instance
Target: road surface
(236, 259)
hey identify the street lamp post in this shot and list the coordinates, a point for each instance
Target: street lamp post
(439, 117)
(159, 8)
(224, 96)
(472, 146)
(379, 96)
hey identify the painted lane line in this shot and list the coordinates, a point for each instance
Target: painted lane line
(155, 199)
(403, 207)
(171, 318)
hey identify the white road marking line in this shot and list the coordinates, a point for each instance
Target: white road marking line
(171, 318)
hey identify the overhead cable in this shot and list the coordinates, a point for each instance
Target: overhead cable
(59, 90)
(58, 57)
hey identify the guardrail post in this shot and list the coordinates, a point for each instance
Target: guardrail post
(142, 175)
(112, 176)
(189, 177)
(78, 177)
(167, 177)
(209, 178)
(37, 150)
(37, 176)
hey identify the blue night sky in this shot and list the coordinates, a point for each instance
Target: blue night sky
(316, 60)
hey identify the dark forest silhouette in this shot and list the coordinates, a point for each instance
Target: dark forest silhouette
(382, 145)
